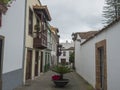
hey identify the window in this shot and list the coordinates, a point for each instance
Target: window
(64, 53)
(0, 19)
(30, 22)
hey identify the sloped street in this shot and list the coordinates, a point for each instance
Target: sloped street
(44, 83)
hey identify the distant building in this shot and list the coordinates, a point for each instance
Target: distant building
(67, 48)
(55, 42)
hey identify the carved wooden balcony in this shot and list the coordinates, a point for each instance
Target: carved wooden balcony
(40, 41)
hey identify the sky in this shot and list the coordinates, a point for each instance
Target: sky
(75, 16)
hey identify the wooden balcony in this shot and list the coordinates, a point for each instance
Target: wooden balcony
(40, 41)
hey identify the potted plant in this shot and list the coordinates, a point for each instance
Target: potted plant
(3, 5)
(59, 80)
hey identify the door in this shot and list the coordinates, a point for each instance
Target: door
(41, 62)
(29, 64)
(63, 61)
(101, 66)
(36, 62)
(101, 60)
(1, 53)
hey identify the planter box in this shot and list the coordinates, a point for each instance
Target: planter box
(61, 83)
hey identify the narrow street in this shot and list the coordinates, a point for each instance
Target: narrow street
(44, 83)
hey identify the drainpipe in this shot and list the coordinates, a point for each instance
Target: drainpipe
(24, 40)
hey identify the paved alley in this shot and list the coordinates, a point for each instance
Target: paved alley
(44, 83)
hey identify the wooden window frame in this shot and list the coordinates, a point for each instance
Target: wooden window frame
(30, 31)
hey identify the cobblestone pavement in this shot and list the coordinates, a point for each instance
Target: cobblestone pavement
(44, 83)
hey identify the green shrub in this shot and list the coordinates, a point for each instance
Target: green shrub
(4, 1)
(61, 69)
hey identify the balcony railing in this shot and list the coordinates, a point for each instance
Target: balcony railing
(40, 41)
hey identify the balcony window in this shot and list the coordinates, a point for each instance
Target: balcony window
(64, 53)
(30, 22)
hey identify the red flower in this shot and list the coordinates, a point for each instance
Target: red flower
(55, 77)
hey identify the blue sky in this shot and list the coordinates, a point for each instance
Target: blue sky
(75, 16)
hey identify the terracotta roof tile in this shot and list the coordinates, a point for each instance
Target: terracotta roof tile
(44, 9)
(102, 30)
(86, 35)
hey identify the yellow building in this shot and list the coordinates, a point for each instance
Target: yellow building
(37, 17)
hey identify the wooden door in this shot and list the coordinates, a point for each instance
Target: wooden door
(36, 62)
(101, 63)
(63, 61)
(41, 62)
(29, 64)
(101, 66)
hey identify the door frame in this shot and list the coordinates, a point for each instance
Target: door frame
(41, 62)
(98, 45)
(36, 62)
(30, 65)
(63, 60)
(1, 59)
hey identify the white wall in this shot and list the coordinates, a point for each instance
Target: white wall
(113, 57)
(13, 30)
(54, 51)
(67, 45)
(77, 52)
(85, 58)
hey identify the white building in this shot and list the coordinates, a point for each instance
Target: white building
(67, 48)
(97, 58)
(55, 41)
(23, 48)
(12, 45)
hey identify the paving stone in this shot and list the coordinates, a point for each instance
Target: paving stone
(44, 82)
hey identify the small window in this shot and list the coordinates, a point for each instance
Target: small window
(64, 53)
(30, 22)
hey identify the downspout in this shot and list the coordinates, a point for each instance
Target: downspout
(24, 39)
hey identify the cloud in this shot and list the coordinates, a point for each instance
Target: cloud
(75, 15)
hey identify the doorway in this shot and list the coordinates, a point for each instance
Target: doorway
(41, 62)
(36, 62)
(63, 61)
(29, 64)
(101, 66)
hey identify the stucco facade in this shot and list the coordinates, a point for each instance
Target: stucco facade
(12, 30)
(85, 58)
(21, 59)
(29, 38)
